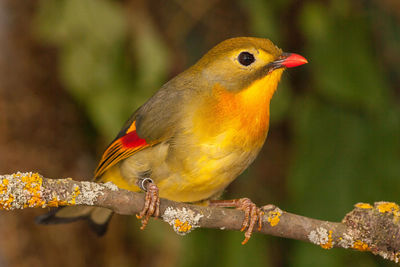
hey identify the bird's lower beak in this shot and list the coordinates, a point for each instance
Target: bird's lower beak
(289, 60)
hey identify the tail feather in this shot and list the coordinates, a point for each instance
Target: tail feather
(98, 218)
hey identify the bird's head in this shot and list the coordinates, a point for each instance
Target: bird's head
(236, 80)
(237, 63)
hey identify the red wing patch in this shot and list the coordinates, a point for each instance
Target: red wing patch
(120, 149)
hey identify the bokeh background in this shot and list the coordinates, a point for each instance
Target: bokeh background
(72, 71)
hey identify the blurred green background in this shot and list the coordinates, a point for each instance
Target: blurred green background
(72, 71)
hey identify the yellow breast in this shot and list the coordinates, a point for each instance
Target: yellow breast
(228, 132)
(242, 117)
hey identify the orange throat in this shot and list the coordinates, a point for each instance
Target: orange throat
(244, 114)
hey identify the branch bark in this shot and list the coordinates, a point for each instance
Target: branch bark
(366, 228)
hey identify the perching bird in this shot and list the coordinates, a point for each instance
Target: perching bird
(196, 134)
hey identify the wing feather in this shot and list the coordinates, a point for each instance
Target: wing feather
(121, 148)
(154, 122)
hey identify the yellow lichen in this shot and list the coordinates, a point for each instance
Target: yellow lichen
(182, 227)
(63, 203)
(3, 186)
(364, 206)
(33, 185)
(329, 243)
(6, 204)
(29, 193)
(54, 203)
(389, 207)
(361, 246)
(396, 257)
(183, 220)
(76, 193)
(35, 202)
(274, 217)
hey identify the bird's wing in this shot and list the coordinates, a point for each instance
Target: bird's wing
(125, 145)
(152, 123)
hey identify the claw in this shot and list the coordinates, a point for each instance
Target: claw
(151, 205)
(252, 214)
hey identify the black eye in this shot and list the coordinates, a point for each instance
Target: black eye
(246, 58)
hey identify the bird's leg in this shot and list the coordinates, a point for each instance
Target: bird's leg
(152, 201)
(251, 212)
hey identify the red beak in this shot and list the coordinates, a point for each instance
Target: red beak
(291, 60)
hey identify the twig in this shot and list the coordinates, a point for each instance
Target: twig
(366, 228)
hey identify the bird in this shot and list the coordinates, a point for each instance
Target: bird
(195, 135)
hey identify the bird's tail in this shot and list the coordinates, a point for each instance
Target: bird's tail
(98, 218)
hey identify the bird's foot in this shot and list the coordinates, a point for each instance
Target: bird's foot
(152, 201)
(252, 214)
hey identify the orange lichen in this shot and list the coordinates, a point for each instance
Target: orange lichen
(33, 185)
(63, 203)
(388, 207)
(273, 217)
(54, 203)
(35, 201)
(396, 257)
(364, 206)
(361, 246)
(6, 204)
(26, 190)
(182, 227)
(329, 243)
(183, 220)
(76, 193)
(3, 186)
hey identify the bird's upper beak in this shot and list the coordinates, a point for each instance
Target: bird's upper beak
(289, 60)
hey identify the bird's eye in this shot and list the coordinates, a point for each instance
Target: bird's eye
(246, 58)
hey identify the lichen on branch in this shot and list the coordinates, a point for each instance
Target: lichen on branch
(31, 190)
(373, 228)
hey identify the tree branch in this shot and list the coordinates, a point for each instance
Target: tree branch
(366, 228)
